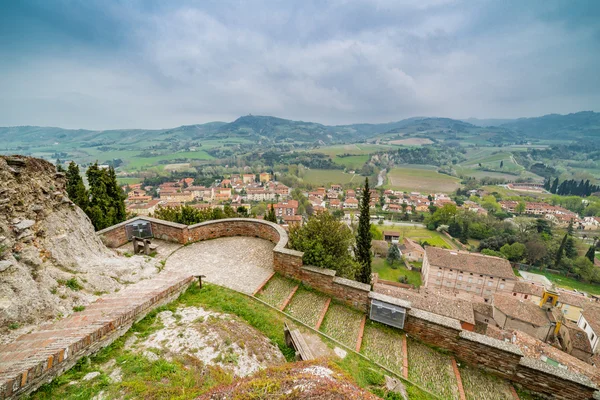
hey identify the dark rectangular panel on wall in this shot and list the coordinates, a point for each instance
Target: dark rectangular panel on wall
(139, 228)
(388, 314)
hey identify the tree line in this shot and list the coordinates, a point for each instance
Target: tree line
(571, 187)
(104, 201)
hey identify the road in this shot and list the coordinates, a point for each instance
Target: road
(380, 178)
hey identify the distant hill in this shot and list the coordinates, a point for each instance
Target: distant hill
(487, 121)
(584, 124)
(276, 130)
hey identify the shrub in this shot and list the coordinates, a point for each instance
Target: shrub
(78, 308)
(73, 284)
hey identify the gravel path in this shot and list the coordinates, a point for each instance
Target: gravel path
(239, 263)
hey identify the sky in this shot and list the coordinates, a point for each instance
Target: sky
(105, 64)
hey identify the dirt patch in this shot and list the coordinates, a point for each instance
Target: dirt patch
(213, 338)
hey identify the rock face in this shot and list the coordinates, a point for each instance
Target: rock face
(50, 256)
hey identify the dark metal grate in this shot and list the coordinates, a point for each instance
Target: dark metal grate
(388, 314)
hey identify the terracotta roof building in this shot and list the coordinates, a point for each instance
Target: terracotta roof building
(511, 313)
(589, 322)
(478, 275)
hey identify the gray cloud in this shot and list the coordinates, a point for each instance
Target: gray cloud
(156, 65)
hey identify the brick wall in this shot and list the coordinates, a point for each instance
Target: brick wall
(37, 358)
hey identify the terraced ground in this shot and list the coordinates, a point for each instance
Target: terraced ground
(385, 345)
(306, 305)
(342, 323)
(481, 386)
(432, 370)
(276, 291)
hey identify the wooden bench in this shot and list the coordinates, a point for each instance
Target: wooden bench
(294, 339)
(143, 245)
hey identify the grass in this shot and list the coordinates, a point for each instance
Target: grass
(276, 291)
(342, 323)
(386, 272)
(128, 181)
(306, 305)
(570, 283)
(432, 370)
(384, 345)
(423, 179)
(482, 386)
(186, 377)
(351, 162)
(328, 176)
(434, 238)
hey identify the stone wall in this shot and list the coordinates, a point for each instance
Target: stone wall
(37, 358)
(495, 356)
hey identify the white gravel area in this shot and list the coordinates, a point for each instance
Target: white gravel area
(239, 263)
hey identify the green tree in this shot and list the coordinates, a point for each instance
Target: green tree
(393, 254)
(271, 214)
(326, 242)
(107, 200)
(520, 208)
(363, 237)
(570, 249)
(561, 251)
(583, 267)
(513, 252)
(591, 253)
(75, 187)
(376, 234)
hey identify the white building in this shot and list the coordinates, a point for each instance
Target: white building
(589, 322)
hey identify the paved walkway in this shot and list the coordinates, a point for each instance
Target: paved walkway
(239, 263)
(39, 356)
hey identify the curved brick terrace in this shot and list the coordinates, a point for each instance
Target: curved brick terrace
(239, 263)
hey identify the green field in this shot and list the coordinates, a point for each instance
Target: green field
(386, 272)
(434, 238)
(351, 162)
(420, 178)
(570, 283)
(128, 181)
(328, 176)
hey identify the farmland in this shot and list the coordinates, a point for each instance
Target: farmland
(329, 176)
(420, 178)
(411, 142)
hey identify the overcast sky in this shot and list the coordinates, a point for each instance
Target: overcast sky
(102, 64)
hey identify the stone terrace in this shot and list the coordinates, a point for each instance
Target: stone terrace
(38, 357)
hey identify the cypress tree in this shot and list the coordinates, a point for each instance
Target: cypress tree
(554, 186)
(107, 200)
(364, 236)
(75, 187)
(591, 253)
(570, 249)
(271, 215)
(560, 251)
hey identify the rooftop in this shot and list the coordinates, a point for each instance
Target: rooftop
(469, 262)
(522, 310)
(432, 302)
(591, 313)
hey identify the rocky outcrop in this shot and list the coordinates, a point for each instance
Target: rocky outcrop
(50, 258)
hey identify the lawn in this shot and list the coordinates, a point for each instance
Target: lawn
(434, 238)
(386, 272)
(570, 283)
(329, 176)
(423, 179)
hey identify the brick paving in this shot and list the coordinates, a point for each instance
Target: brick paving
(38, 357)
(239, 263)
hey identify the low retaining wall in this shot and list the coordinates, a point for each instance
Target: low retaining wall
(39, 357)
(495, 356)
